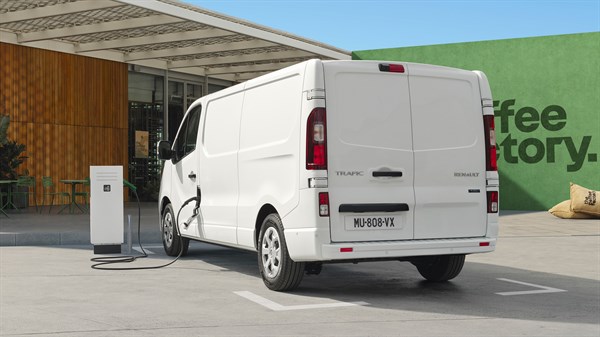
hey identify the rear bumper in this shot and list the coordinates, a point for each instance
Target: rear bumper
(399, 249)
(308, 245)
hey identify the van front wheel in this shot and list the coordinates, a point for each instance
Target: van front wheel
(279, 272)
(440, 268)
(172, 241)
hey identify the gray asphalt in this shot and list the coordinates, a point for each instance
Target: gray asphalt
(543, 280)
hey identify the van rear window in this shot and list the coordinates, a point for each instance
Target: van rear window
(446, 112)
(372, 110)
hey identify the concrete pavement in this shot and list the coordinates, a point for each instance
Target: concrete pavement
(30, 228)
(542, 280)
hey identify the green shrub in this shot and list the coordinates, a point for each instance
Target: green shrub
(11, 152)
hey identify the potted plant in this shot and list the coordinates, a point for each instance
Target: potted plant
(11, 153)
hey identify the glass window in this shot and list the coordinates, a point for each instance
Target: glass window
(145, 88)
(192, 132)
(179, 146)
(212, 88)
(188, 134)
(194, 92)
(176, 108)
(145, 130)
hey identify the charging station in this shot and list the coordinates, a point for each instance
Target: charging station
(106, 209)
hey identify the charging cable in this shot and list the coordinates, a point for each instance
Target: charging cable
(103, 262)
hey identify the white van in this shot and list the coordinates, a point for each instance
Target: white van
(329, 161)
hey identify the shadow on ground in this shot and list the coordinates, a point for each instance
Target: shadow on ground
(397, 285)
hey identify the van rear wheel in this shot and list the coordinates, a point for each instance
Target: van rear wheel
(279, 272)
(440, 268)
(172, 241)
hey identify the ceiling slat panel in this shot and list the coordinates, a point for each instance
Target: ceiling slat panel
(215, 48)
(153, 39)
(58, 9)
(164, 7)
(98, 27)
(248, 68)
(230, 60)
(166, 34)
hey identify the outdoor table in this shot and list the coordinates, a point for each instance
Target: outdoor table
(73, 204)
(9, 201)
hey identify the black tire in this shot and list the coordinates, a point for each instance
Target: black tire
(440, 268)
(172, 241)
(279, 272)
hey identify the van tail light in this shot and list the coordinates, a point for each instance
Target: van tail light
(316, 140)
(324, 204)
(491, 164)
(492, 201)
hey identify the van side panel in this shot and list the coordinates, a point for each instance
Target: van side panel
(450, 186)
(269, 149)
(217, 168)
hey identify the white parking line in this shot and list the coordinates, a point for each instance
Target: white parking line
(543, 289)
(278, 307)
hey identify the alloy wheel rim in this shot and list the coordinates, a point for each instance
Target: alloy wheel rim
(168, 229)
(271, 252)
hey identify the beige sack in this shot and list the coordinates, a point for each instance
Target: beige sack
(563, 210)
(584, 200)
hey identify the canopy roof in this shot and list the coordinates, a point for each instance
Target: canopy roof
(165, 34)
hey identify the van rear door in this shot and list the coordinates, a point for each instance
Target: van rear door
(449, 153)
(370, 158)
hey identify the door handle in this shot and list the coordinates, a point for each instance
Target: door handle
(378, 174)
(192, 175)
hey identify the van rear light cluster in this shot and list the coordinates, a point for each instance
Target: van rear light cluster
(492, 201)
(324, 204)
(491, 163)
(316, 140)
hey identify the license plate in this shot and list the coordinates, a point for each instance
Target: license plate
(372, 222)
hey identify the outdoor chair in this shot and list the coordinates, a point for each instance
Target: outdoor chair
(25, 182)
(3, 196)
(49, 190)
(84, 194)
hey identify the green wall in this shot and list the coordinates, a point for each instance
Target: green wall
(547, 104)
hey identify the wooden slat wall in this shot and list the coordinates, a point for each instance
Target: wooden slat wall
(70, 111)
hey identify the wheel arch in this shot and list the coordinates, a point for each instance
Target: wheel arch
(264, 211)
(163, 203)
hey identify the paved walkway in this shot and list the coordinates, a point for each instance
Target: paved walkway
(28, 228)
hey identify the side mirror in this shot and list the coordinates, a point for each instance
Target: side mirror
(164, 150)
